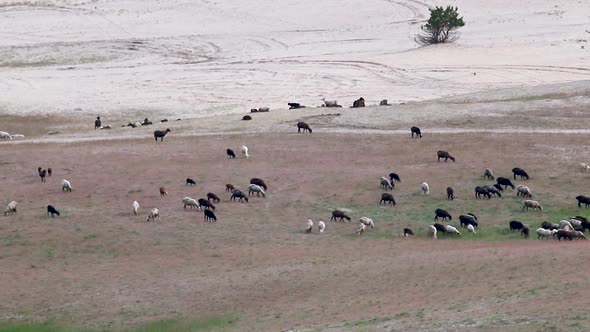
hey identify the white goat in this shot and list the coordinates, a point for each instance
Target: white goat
(5, 135)
(66, 185)
(154, 214)
(575, 222)
(542, 232)
(309, 226)
(564, 224)
(471, 229)
(191, 203)
(385, 183)
(488, 174)
(10, 208)
(254, 188)
(321, 226)
(452, 230)
(585, 167)
(244, 150)
(425, 189)
(135, 206)
(523, 191)
(330, 103)
(532, 204)
(361, 229)
(432, 231)
(367, 222)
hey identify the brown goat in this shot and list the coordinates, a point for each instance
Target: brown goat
(163, 191)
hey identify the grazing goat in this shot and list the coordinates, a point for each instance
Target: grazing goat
(244, 150)
(358, 103)
(293, 106)
(432, 231)
(523, 191)
(154, 214)
(230, 153)
(452, 230)
(450, 193)
(520, 172)
(549, 226)
(482, 191)
(236, 193)
(191, 203)
(66, 185)
(259, 182)
(304, 126)
(493, 190)
(487, 173)
(135, 206)
(246, 118)
(190, 182)
(163, 191)
(367, 222)
(504, 182)
(330, 103)
(524, 232)
(471, 229)
(42, 174)
(545, 233)
(210, 216)
(499, 187)
(253, 188)
(387, 198)
(532, 204)
(229, 187)
(516, 225)
(416, 131)
(583, 200)
(361, 229)
(321, 226)
(425, 188)
(10, 208)
(408, 232)
(5, 135)
(585, 167)
(160, 134)
(49, 171)
(97, 123)
(309, 226)
(444, 154)
(213, 197)
(440, 228)
(468, 219)
(205, 203)
(384, 103)
(565, 224)
(339, 214)
(440, 213)
(51, 210)
(385, 184)
(394, 177)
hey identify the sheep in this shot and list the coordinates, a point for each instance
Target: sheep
(154, 214)
(499, 187)
(579, 235)
(230, 153)
(471, 229)
(504, 182)
(583, 200)
(190, 182)
(361, 229)
(244, 150)
(432, 231)
(10, 208)
(160, 134)
(549, 226)
(440, 213)
(425, 188)
(524, 232)
(191, 203)
(416, 131)
(394, 177)
(163, 192)
(523, 191)
(236, 193)
(444, 154)
(229, 187)
(5, 135)
(253, 188)
(520, 172)
(66, 185)
(385, 184)
(97, 123)
(264, 109)
(330, 103)
(440, 228)
(309, 226)
(575, 223)
(467, 219)
(515, 225)
(339, 214)
(568, 235)
(493, 190)
(205, 203)
(585, 167)
(487, 173)
(49, 171)
(259, 182)
(450, 193)
(359, 103)
(246, 118)
(452, 230)
(210, 216)
(304, 126)
(545, 233)
(387, 198)
(212, 196)
(564, 224)
(532, 204)
(135, 207)
(293, 106)
(384, 103)
(52, 210)
(408, 232)
(321, 226)
(367, 221)
(42, 174)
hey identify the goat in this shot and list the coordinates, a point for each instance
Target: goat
(229, 187)
(387, 198)
(583, 200)
(51, 210)
(440, 213)
(163, 191)
(210, 216)
(160, 134)
(504, 182)
(212, 196)
(236, 193)
(10, 208)
(408, 232)
(339, 214)
(309, 226)
(532, 204)
(520, 172)
(304, 126)
(190, 182)
(450, 193)
(230, 153)
(425, 188)
(259, 182)
(154, 214)
(394, 177)
(385, 184)
(66, 185)
(135, 206)
(416, 131)
(487, 173)
(253, 188)
(444, 154)
(244, 150)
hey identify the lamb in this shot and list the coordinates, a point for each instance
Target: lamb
(212, 196)
(387, 198)
(394, 177)
(321, 226)
(523, 191)
(432, 231)
(504, 182)
(205, 203)
(468, 219)
(385, 184)
(520, 172)
(532, 204)
(259, 182)
(253, 188)
(524, 231)
(5, 135)
(244, 150)
(229, 187)
(444, 154)
(545, 233)
(361, 229)
(452, 230)
(210, 216)
(135, 206)
(10, 208)
(236, 193)
(52, 210)
(515, 225)
(339, 214)
(309, 226)
(66, 185)
(154, 214)
(160, 134)
(230, 153)
(42, 174)
(440, 213)
(409, 232)
(190, 182)
(450, 193)
(367, 221)
(416, 131)
(304, 126)
(163, 191)
(471, 229)
(583, 200)
(488, 174)
(425, 189)
(191, 203)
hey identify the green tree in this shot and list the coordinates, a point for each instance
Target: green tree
(441, 26)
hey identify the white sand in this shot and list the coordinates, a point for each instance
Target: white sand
(193, 58)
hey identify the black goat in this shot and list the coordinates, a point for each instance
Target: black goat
(339, 214)
(408, 232)
(230, 153)
(210, 216)
(51, 210)
(160, 134)
(516, 225)
(583, 200)
(304, 126)
(190, 181)
(444, 154)
(387, 198)
(259, 182)
(206, 204)
(416, 131)
(440, 213)
(520, 172)
(212, 196)
(394, 176)
(504, 182)
(450, 193)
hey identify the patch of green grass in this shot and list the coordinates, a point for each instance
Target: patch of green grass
(90, 236)
(367, 322)
(37, 327)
